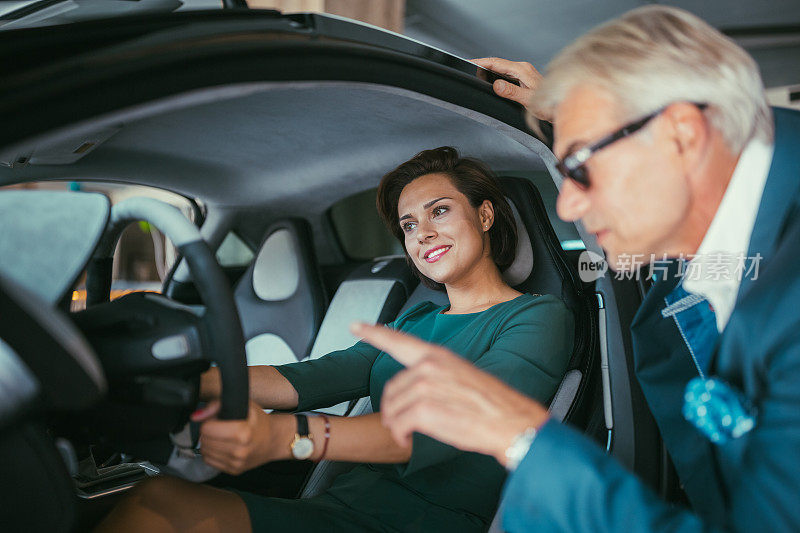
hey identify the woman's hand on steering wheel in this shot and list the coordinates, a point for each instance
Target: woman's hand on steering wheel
(235, 446)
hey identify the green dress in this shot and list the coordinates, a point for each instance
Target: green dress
(526, 342)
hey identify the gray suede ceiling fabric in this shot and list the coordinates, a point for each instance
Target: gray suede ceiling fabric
(280, 141)
(282, 149)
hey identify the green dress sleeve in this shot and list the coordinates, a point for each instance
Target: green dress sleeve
(339, 376)
(530, 352)
(333, 378)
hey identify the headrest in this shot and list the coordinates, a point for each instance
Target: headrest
(276, 270)
(520, 270)
(540, 265)
(281, 292)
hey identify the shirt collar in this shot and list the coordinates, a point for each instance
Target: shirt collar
(716, 271)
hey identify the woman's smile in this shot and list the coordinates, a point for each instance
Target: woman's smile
(434, 254)
(435, 217)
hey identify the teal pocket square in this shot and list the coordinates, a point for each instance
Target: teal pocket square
(718, 410)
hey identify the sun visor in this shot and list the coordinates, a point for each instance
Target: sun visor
(48, 237)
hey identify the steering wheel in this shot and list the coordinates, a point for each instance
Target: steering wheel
(147, 333)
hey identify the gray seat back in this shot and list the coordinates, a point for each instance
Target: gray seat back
(372, 293)
(280, 297)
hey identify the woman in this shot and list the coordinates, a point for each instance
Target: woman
(458, 232)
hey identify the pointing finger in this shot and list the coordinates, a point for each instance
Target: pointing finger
(406, 349)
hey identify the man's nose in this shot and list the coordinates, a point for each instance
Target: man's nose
(572, 203)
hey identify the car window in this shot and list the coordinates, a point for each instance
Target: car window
(144, 257)
(234, 252)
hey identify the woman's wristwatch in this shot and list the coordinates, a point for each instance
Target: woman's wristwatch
(302, 445)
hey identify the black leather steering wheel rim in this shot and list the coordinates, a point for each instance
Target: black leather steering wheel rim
(221, 316)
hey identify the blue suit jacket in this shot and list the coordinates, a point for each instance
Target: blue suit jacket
(566, 483)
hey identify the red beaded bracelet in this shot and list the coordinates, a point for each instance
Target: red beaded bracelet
(327, 437)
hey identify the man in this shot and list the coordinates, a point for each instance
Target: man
(667, 142)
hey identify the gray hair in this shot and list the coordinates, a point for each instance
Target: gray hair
(655, 55)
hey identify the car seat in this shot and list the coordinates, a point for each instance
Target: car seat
(374, 292)
(280, 298)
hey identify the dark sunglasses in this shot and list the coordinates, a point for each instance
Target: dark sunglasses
(573, 166)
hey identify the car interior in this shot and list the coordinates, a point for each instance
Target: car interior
(288, 168)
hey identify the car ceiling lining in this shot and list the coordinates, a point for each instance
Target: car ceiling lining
(289, 147)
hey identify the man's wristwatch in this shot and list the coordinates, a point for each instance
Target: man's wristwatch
(519, 447)
(302, 445)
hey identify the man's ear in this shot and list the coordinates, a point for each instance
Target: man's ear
(486, 213)
(689, 131)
